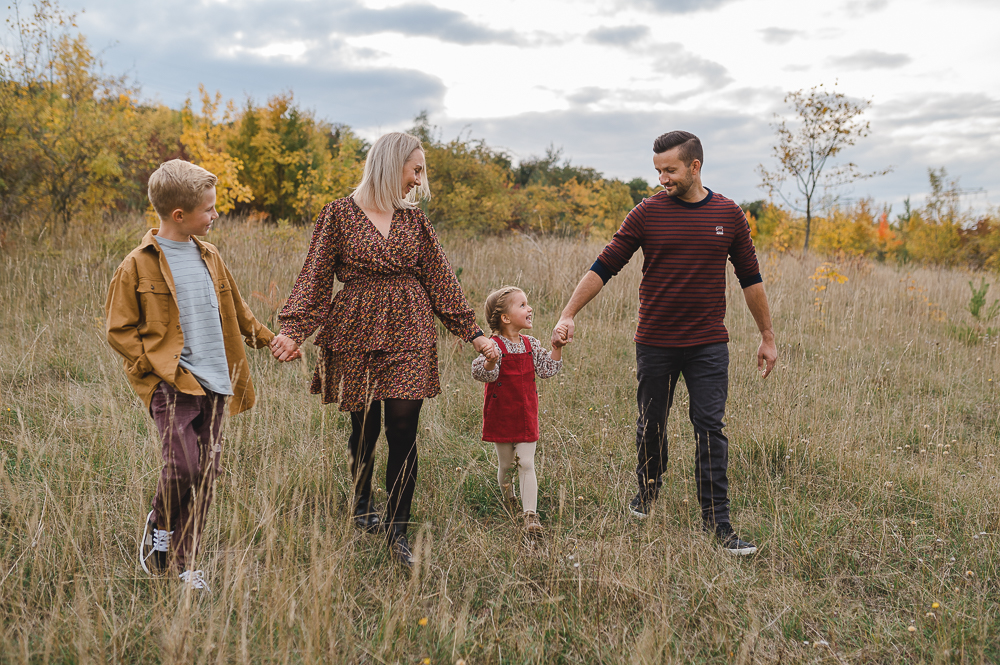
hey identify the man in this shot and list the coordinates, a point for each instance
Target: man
(686, 233)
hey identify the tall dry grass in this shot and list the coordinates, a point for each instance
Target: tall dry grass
(864, 468)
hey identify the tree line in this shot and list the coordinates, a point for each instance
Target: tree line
(77, 144)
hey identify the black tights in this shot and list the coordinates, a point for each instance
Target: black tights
(401, 418)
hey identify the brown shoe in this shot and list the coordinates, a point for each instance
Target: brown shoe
(532, 526)
(513, 506)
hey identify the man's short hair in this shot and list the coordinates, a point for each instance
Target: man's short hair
(178, 184)
(690, 146)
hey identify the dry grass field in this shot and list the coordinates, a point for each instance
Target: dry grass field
(864, 467)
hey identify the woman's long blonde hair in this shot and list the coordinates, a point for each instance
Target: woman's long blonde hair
(381, 185)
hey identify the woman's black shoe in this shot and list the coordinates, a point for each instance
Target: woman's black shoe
(365, 518)
(399, 548)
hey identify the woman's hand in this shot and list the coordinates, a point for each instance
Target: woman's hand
(284, 348)
(487, 348)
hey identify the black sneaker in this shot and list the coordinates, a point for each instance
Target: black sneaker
(641, 505)
(153, 548)
(731, 542)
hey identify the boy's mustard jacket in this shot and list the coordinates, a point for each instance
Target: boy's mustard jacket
(144, 324)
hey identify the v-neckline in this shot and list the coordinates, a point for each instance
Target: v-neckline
(385, 238)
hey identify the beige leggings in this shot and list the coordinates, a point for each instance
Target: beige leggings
(522, 456)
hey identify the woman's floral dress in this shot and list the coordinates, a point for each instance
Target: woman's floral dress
(378, 339)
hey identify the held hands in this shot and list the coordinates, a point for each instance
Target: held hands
(284, 348)
(487, 348)
(562, 334)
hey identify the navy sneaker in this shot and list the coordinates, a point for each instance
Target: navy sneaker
(731, 542)
(641, 505)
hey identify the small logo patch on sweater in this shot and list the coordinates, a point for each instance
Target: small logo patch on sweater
(718, 231)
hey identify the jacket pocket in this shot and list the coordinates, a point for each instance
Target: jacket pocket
(155, 299)
(227, 308)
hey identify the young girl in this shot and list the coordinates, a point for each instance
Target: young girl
(510, 410)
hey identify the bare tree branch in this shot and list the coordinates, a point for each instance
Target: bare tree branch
(827, 122)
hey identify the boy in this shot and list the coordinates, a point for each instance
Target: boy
(176, 316)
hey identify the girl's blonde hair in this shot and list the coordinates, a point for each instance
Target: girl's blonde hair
(381, 185)
(496, 305)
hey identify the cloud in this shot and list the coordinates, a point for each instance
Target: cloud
(587, 95)
(262, 22)
(422, 20)
(872, 59)
(680, 6)
(674, 59)
(261, 49)
(624, 35)
(779, 36)
(927, 109)
(859, 8)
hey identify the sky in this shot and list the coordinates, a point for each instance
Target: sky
(597, 79)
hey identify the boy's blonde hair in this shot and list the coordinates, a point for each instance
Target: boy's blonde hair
(178, 184)
(381, 185)
(496, 305)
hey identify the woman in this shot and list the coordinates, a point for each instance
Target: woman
(378, 340)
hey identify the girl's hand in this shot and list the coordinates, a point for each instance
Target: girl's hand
(562, 334)
(284, 348)
(485, 346)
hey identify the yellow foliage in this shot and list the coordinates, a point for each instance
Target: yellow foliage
(850, 231)
(204, 139)
(937, 244)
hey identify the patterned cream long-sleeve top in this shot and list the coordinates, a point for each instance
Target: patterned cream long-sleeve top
(545, 366)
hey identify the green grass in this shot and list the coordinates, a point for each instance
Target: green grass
(864, 467)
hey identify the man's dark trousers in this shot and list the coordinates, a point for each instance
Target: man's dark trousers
(706, 373)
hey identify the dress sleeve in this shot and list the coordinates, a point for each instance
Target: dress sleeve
(309, 301)
(545, 366)
(479, 371)
(439, 281)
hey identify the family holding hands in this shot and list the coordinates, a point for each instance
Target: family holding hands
(176, 315)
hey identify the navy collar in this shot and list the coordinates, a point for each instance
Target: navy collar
(696, 204)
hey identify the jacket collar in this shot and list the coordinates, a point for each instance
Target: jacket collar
(149, 240)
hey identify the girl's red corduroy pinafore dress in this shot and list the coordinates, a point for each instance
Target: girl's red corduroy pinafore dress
(510, 408)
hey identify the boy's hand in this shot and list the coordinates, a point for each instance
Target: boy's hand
(284, 348)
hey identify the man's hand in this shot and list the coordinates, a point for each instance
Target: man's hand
(284, 348)
(487, 348)
(562, 334)
(767, 354)
(590, 285)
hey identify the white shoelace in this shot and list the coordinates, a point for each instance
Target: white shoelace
(161, 540)
(195, 578)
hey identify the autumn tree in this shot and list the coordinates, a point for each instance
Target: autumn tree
(294, 163)
(823, 124)
(72, 137)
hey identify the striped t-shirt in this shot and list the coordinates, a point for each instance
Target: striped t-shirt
(204, 353)
(682, 296)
